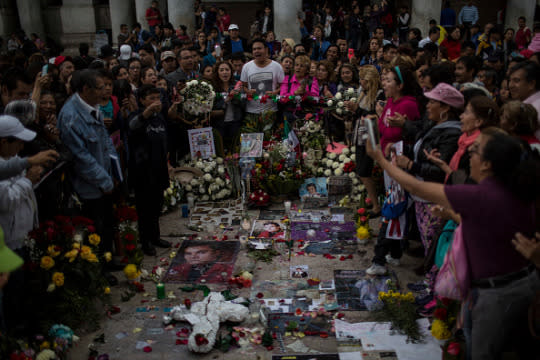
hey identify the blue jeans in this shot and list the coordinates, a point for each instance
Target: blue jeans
(498, 316)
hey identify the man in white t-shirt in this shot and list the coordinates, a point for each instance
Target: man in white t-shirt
(262, 79)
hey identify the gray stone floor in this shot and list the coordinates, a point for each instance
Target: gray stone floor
(150, 327)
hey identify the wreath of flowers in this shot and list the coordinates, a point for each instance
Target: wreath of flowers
(198, 97)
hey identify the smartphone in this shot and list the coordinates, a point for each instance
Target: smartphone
(350, 55)
(217, 47)
(44, 69)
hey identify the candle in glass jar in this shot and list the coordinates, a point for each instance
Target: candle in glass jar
(160, 290)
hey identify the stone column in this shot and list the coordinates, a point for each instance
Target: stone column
(181, 13)
(140, 9)
(422, 12)
(122, 12)
(30, 17)
(517, 8)
(285, 19)
(78, 24)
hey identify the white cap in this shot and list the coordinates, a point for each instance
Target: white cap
(125, 52)
(233, 27)
(11, 126)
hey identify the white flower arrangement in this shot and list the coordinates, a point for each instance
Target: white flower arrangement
(198, 97)
(214, 184)
(339, 105)
(172, 195)
(337, 164)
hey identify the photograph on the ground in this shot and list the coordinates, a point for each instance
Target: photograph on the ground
(203, 262)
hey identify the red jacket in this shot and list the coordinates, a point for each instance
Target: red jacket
(453, 47)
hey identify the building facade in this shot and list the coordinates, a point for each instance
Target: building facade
(71, 22)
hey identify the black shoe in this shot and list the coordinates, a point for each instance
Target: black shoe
(149, 250)
(111, 279)
(161, 243)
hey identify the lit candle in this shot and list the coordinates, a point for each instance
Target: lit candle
(160, 290)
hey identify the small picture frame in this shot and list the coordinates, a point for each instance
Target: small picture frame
(251, 144)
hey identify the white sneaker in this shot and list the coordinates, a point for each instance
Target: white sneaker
(376, 269)
(392, 261)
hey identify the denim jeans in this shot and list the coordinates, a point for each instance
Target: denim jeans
(498, 316)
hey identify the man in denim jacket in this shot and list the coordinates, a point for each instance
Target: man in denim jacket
(83, 132)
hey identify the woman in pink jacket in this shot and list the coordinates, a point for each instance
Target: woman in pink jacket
(401, 90)
(297, 87)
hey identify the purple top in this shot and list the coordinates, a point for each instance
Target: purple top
(491, 215)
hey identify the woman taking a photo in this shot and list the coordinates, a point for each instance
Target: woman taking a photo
(503, 284)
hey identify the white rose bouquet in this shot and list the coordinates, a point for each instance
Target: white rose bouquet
(214, 184)
(333, 164)
(198, 97)
(172, 195)
(337, 104)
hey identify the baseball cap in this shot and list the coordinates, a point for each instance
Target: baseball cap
(446, 94)
(233, 27)
(11, 126)
(167, 54)
(9, 260)
(125, 52)
(60, 59)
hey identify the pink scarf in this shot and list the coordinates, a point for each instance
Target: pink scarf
(463, 144)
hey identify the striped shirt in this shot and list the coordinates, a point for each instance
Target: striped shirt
(468, 14)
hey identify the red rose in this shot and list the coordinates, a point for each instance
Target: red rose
(361, 211)
(363, 219)
(129, 237)
(91, 228)
(440, 314)
(130, 247)
(147, 349)
(200, 340)
(260, 295)
(187, 302)
(453, 348)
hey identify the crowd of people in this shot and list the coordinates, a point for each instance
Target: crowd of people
(465, 102)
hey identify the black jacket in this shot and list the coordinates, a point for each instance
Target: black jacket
(227, 46)
(443, 137)
(148, 150)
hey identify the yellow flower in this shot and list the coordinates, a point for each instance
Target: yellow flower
(107, 256)
(44, 345)
(131, 271)
(51, 250)
(439, 330)
(94, 239)
(92, 258)
(86, 251)
(107, 290)
(47, 262)
(362, 233)
(72, 255)
(58, 279)
(76, 245)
